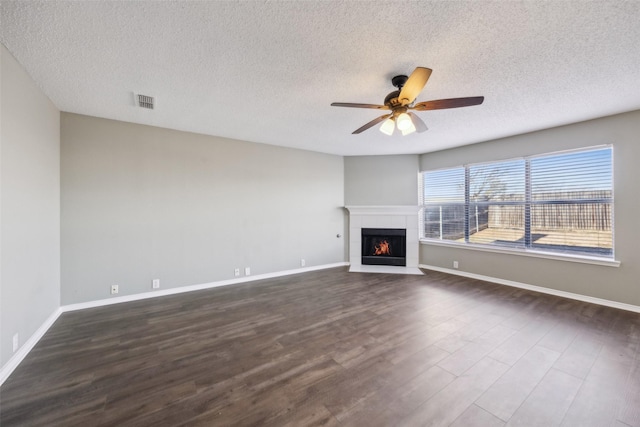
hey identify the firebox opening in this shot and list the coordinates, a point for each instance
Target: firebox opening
(384, 246)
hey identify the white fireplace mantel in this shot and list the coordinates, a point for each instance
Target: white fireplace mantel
(383, 217)
(383, 210)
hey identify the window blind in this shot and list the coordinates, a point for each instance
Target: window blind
(572, 201)
(558, 202)
(444, 208)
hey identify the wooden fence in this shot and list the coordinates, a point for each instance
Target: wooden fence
(447, 221)
(557, 216)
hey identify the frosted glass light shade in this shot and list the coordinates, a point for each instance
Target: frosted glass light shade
(410, 129)
(387, 127)
(404, 121)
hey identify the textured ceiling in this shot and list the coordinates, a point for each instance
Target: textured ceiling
(266, 71)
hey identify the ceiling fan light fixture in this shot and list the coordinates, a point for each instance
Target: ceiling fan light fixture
(404, 122)
(388, 127)
(411, 129)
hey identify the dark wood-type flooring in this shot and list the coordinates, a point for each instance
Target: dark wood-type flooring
(335, 348)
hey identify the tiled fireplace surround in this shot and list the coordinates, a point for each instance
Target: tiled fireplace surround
(383, 217)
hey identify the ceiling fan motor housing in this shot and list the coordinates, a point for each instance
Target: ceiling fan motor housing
(392, 99)
(399, 81)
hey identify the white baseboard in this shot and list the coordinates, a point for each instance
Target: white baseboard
(22, 352)
(191, 288)
(541, 289)
(19, 356)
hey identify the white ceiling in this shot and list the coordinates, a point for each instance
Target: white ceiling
(266, 71)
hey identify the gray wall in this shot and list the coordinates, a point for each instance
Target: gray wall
(29, 205)
(381, 180)
(616, 284)
(140, 203)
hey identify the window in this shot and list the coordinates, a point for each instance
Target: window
(558, 203)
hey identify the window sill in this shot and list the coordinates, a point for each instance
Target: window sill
(526, 252)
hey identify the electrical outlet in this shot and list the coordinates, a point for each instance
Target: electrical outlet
(247, 271)
(236, 272)
(114, 289)
(455, 264)
(302, 262)
(155, 284)
(16, 342)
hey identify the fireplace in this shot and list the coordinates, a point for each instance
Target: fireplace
(404, 218)
(384, 246)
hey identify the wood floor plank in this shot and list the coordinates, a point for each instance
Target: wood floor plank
(548, 403)
(506, 395)
(475, 326)
(560, 337)
(601, 397)
(449, 403)
(630, 411)
(581, 354)
(334, 348)
(519, 344)
(475, 416)
(389, 405)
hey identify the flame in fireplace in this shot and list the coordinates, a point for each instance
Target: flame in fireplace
(382, 248)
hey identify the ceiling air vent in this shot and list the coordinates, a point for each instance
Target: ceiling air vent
(145, 101)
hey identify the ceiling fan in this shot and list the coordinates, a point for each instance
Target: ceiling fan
(400, 101)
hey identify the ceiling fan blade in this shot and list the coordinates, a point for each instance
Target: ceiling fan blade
(414, 85)
(371, 123)
(418, 123)
(352, 105)
(441, 104)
